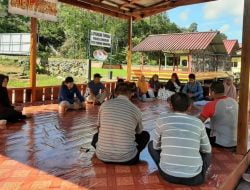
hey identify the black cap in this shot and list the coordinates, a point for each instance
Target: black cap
(97, 75)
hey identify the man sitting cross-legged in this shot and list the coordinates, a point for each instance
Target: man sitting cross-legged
(180, 145)
(223, 113)
(97, 91)
(121, 137)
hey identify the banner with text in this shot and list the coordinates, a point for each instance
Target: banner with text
(42, 9)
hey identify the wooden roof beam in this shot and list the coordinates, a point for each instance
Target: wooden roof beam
(128, 3)
(105, 6)
(167, 5)
(95, 8)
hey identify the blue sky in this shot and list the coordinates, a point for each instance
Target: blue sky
(223, 15)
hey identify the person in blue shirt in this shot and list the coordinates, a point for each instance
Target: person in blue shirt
(67, 96)
(193, 89)
(97, 92)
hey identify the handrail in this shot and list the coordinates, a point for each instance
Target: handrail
(45, 94)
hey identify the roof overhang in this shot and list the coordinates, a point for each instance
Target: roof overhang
(135, 9)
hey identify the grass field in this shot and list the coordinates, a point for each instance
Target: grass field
(46, 80)
(10, 66)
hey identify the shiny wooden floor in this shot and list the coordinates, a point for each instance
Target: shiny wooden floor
(51, 151)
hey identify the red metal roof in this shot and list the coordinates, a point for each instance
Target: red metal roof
(230, 44)
(176, 41)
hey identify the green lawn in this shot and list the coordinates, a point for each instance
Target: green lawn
(116, 72)
(45, 80)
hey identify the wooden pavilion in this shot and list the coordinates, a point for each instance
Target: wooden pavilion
(202, 53)
(138, 9)
(133, 10)
(52, 152)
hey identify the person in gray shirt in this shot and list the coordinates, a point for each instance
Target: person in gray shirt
(223, 113)
(180, 146)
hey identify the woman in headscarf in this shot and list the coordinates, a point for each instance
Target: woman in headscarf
(7, 111)
(230, 90)
(142, 86)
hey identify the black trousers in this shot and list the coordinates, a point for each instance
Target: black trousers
(11, 115)
(213, 141)
(141, 140)
(196, 180)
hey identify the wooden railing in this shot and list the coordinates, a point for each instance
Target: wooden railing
(45, 93)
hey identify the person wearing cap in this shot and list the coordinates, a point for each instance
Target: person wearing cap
(66, 97)
(223, 113)
(97, 91)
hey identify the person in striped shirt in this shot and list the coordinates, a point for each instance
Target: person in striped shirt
(121, 137)
(180, 146)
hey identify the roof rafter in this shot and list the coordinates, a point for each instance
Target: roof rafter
(128, 10)
(96, 8)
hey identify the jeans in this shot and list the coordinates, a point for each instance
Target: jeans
(141, 140)
(196, 180)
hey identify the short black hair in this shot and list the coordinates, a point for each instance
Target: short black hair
(122, 89)
(120, 80)
(180, 102)
(191, 76)
(97, 75)
(2, 77)
(69, 79)
(217, 87)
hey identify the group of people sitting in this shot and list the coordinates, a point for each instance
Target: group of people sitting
(193, 88)
(181, 144)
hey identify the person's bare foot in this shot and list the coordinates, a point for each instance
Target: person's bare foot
(29, 115)
(3, 124)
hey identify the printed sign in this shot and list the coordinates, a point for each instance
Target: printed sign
(43, 9)
(100, 39)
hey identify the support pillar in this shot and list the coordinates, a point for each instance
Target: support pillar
(244, 84)
(33, 52)
(165, 61)
(142, 61)
(129, 53)
(190, 63)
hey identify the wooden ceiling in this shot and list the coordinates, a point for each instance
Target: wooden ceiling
(137, 9)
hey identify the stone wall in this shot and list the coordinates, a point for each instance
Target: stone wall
(67, 67)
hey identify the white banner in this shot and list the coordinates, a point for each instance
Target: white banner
(100, 39)
(15, 43)
(42, 9)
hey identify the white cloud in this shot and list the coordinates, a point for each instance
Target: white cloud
(216, 9)
(224, 28)
(184, 15)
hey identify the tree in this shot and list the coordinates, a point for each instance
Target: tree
(193, 27)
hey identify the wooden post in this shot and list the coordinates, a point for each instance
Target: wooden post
(142, 60)
(244, 84)
(165, 61)
(33, 51)
(129, 53)
(189, 63)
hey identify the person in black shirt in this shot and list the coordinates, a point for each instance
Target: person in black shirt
(155, 84)
(174, 84)
(7, 111)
